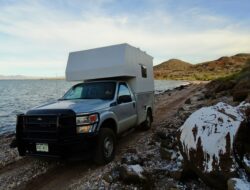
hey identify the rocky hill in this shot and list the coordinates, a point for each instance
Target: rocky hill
(174, 65)
(179, 70)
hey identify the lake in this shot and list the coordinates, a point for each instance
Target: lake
(17, 96)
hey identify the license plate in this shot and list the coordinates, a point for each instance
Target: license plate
(42, 147)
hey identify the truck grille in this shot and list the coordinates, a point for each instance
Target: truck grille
(43, 123)
(48, 127)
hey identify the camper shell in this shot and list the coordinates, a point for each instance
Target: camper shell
(118, 61)
(87, 118)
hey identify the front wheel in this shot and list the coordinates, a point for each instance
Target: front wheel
(148, 122)
(106, 144)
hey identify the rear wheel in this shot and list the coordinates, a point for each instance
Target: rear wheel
(106, 144)
(148, 122)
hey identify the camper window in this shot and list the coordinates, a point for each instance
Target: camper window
(143, 71)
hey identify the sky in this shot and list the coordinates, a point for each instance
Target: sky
(37, 35)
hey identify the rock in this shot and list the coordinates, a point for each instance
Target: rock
(206, 142)
(170, 143)
(161, 134)
(131, 159)
(166, 153)
(225, 86)
(240, 95)
(108, 178)
(188, 101)
(176, 174)
(132, 174)
(167, 143)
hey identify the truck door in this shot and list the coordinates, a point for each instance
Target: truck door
(126, 108)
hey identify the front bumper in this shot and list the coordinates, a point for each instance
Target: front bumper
(81, 146)
(57, 132)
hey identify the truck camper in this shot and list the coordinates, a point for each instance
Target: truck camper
(115, 93)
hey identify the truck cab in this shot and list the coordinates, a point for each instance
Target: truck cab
(86, 120)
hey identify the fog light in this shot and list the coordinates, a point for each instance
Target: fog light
(83, 129)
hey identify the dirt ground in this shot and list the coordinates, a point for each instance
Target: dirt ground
(32, 173)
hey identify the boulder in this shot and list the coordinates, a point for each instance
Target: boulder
(206, 142)
(132, 174)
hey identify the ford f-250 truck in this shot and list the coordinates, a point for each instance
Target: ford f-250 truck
(116, 95)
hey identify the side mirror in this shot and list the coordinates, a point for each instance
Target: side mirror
(124, 99)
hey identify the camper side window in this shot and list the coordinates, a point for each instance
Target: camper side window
(124, 95)
(143, 71)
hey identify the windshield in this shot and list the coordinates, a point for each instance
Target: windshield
(95, 90)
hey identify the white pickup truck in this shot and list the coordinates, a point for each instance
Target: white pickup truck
(116, 93)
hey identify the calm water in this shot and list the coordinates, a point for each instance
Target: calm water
(17, 96)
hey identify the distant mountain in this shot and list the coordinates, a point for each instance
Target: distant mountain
(173, 64)
(4, 77)
(179, 70)
(22, 77)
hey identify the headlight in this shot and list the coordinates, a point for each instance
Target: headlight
(84, 129)
(87, 119)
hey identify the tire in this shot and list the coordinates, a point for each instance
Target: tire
(147, 124)
(106, 145)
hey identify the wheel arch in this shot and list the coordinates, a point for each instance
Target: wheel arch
(109, 123)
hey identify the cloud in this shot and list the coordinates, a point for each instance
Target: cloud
(38, 37)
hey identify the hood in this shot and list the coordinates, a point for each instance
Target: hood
(78, 106)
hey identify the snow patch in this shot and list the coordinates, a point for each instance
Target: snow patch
(136, 169)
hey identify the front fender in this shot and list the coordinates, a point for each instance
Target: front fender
(107, 115)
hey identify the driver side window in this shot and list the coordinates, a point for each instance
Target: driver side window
(124, 95)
